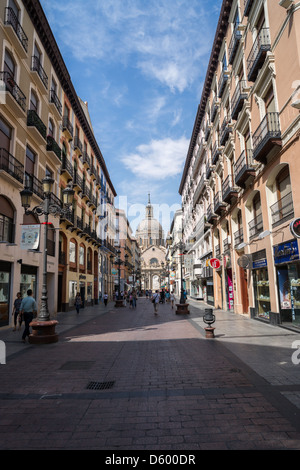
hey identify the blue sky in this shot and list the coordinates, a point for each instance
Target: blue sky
(140, 65)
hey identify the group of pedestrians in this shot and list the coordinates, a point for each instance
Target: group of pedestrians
(161, 297)
(24, 310)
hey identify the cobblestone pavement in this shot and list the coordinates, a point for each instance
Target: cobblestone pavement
(122, 379)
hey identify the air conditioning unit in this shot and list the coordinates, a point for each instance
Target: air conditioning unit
(245, 261)
(286, 3)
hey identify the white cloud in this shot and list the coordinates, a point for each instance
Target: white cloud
(166, 39)
(158, 160)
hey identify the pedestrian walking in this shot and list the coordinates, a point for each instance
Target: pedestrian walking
(28, 309)
(155, 301)
(130, 296)
(172, 298)
(134, 298)
(16, 311)
(105, 298)
(78, 302)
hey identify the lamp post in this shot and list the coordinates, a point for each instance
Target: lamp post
(182, 307)
(119, 262)
(43, 328)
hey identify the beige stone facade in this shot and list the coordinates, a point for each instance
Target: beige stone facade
(45, 130)
(239, 188)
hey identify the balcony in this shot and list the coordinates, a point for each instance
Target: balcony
(282, 210)
(207, 131)
(14, 97)
(67, 128)
(77, 182)
(244, 168)
(68, 217)
(214, 109)
(17, 36)
(226, 130)
(55, 104)
(215, 154)
(266, 137)
(78, 145)
(234, 44)
(255, 226)
(37, 127)
(79, 223)
(219, 204)
(93, 172)
(53, 147)
(11, 166)
(209, 169)
(238, 237)
(67, 168)
(85, 190)
(86, 160)
(202, 184)
(222, 82)
(257, 55)
(247, 6)
(39, 72)
(35, 185)
(229, 190)
(210, 215)
(238, 98)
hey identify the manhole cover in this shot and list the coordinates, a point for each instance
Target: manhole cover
(100, 385)
(77, 365)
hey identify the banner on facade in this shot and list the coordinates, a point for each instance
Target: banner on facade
(30, 237)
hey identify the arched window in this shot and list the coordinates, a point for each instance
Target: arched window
(73, 253)
(6, 221)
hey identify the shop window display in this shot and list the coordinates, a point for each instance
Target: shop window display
(262, 293)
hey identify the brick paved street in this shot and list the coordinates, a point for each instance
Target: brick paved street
(170, 388)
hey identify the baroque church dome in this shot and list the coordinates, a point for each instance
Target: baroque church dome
(149, 231)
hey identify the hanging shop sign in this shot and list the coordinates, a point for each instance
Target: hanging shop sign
(295, 228)
(215, 263)
(285, 252)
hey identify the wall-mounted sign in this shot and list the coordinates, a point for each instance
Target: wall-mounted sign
(30, 237)
(285, 252)
(215, 263)
(295, 227)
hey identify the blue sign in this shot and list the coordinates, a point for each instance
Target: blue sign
(260, 263)
(286, 252)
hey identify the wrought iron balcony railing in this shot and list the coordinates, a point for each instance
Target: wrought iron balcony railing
(53, 146)
(36, 66)
(282, 210)
(238, 98)
(244, 167)
(13, 89)
(266, 136)
(255, 226)
(11, 165)
(55, 100)
(34, 120)
(257, 55)
(34, 184)
(12, 20)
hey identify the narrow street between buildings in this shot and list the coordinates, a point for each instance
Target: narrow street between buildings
(125, 379)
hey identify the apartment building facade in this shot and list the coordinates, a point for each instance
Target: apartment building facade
(239, 187)
(45, 130)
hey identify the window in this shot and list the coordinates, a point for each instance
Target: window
(81, 255)
(9, 64)
(6, 221)
(51, 130)
(72, 251)
(12, 4)
(34, 102)
(5, 135)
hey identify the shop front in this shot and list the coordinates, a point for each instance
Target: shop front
(5, 281)
(287, 263)
(261, 285)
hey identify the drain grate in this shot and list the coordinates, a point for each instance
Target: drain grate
(100, 385)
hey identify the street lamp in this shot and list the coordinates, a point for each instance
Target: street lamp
(43, 328)
(118, 261)
(182, 307)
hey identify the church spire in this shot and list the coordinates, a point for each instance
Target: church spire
(149, 209)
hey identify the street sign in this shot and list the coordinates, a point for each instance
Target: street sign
(295, 227)
(215, 263)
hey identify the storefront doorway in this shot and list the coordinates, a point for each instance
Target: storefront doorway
(5, 273)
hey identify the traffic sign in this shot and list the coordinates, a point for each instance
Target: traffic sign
(215, 263)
